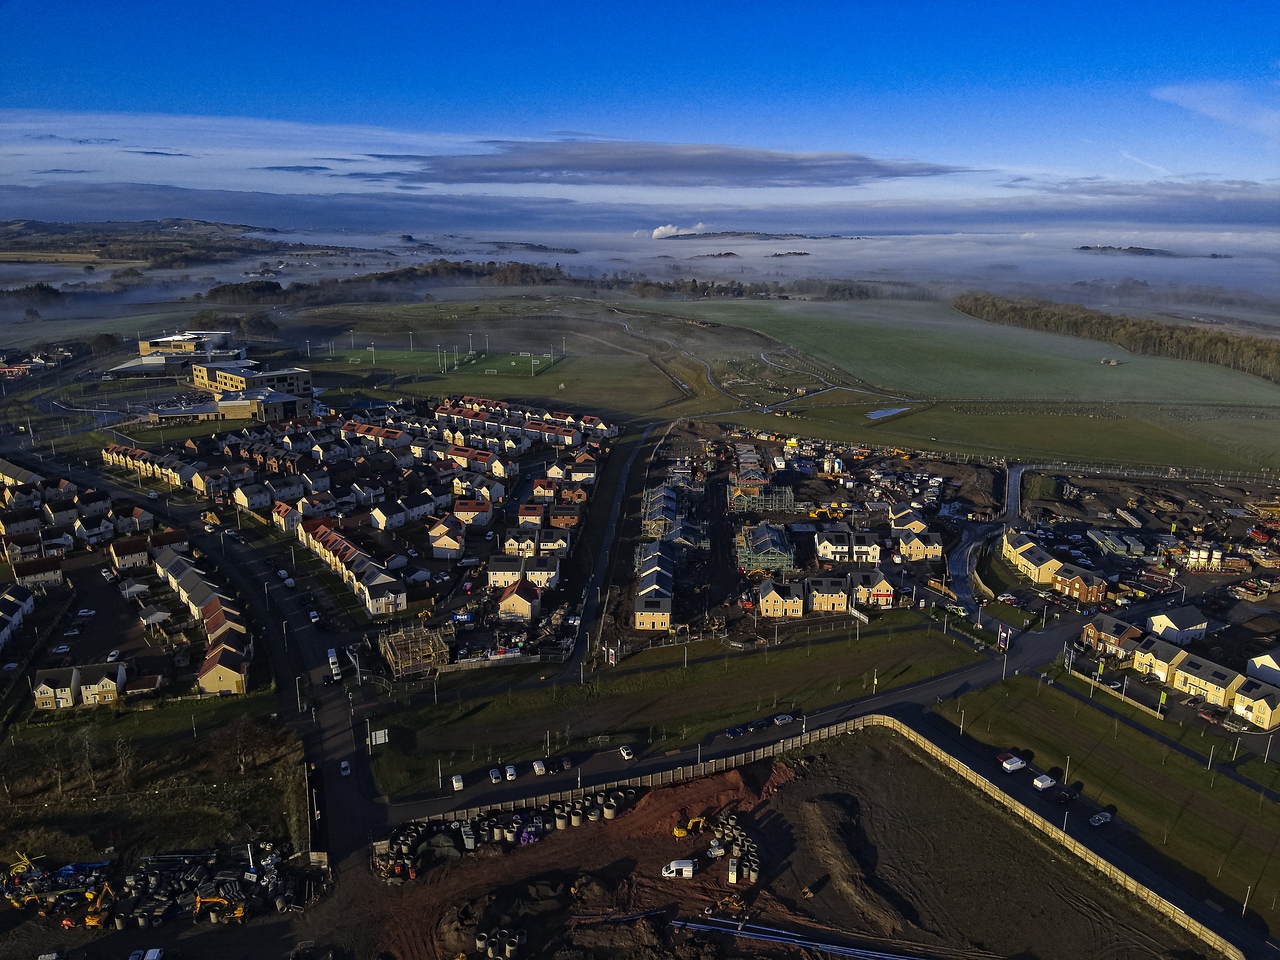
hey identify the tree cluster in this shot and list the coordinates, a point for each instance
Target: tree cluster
(1148, 337)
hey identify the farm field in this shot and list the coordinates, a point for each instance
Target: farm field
(1216, 837)
(654, 702)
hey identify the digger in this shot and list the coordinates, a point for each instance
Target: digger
(234, 912)
(100, 911)
(694, 825)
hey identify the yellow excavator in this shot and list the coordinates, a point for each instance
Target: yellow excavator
(234, 912)
(100, 911)
(693, 825)
(732, 906)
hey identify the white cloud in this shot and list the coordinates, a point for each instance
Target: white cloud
(1228, 104)
(671, 230)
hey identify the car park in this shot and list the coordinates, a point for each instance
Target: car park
(627, 753)
(510, 772)
(1011, 762)
(1099, 819)
(495, 775)
(345, 768)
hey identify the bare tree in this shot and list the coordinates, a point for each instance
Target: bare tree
(86, 759)
(124, 762)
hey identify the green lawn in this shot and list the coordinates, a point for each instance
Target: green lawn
(1209, 827)
(652, 701)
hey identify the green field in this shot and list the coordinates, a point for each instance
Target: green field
(1214, 834)
(653, 702)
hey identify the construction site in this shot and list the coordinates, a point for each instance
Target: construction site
(865, 846)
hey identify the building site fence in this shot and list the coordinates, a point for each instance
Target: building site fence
(790, 744)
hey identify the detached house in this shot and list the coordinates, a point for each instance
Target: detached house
(781, 599)
(829, 595)
(1179, 626)
(101, 683)
(56, 689)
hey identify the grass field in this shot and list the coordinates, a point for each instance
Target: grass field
(653, 702)
(196, 772)
(1210, 831)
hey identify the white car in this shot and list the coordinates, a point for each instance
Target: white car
(627, 753)
(86, 613)
(315, 617)
(783, 719)
(1011, 763)
(539, 768)
(288, 582)
(511, 772)
(457, 782)
(495, 775)
(62, 649)
(345, 768)
(113, 656)
(282, 574)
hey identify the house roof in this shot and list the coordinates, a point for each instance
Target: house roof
(57, 679)
(1161, 650)
(1208, 671)
(523, 589)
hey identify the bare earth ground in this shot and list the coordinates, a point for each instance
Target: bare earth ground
(899, 857)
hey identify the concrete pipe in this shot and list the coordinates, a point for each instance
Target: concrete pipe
(562, 821)
(610, 810)
(509, 834)
(510, 948)
(594, 814)
(482, 941)
(576, 818)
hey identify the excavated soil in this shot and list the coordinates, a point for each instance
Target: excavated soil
(895, 856)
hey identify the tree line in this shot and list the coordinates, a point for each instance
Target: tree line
(1252, 355)
(385, 286)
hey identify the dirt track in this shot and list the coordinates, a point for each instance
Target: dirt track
(899, 857)
(896, 854)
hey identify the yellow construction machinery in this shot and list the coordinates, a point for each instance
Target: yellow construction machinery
(693, 825)
(732, 906)
(233, 912)
(100, 911)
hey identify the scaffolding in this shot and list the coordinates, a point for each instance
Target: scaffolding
(415, 649)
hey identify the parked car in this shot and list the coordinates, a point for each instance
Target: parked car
(282, 574)
(315, 617)
(539, 768)
(495, 775)
(1208, 713)
(288, 582)
(107, 575)
(457, 782)
(734, 732)
(344, 768)
(1044, 782)
(1064, 796)
(782, 719)
(755, 726)
(1099, 819)
(71, 632)
(63, 648)
(510, 772)
(627, 753)
(85, 613)
(113, 656)
(152, 495)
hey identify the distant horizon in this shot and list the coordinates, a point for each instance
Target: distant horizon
(1092, 127)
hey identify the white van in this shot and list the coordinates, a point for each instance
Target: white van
(678, 868)
(1043, 782)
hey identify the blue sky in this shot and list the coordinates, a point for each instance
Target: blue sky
(684, 108)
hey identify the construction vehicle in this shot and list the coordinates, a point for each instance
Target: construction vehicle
(233, 913)
(732, 905)
(693, 825)
(100, 911)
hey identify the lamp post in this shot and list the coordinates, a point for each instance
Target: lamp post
(298, 688)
